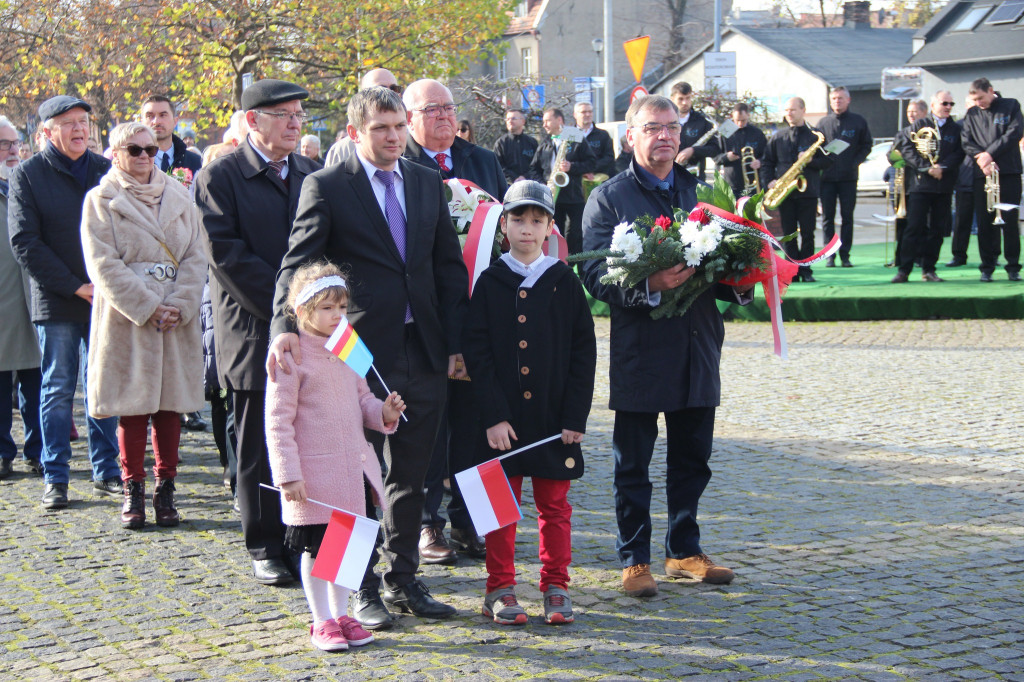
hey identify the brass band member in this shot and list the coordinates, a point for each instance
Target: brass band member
(729, 160)
(991, 134)
(515, 149)
(916, 109)
(931, 149)
(800, 208)
(695, 125)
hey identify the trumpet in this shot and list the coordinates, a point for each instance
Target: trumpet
(992, 195)
(900, 192)
(792, 179)
(751, 181)
(926, 140)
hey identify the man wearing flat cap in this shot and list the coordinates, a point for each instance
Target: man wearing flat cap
(45, 214)
(248, 200)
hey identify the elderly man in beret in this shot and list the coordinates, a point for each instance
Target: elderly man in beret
(44, 217)
(248, 200)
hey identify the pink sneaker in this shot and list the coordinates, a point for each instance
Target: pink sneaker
(327, 636)
(353, 631)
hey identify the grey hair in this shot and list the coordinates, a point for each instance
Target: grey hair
(649, 102)
(6, 123)
(918, 104)
(310, 138)
(120, 134)
(840, 88)
(370, 101)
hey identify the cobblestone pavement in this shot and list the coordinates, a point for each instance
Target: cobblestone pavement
(868, 493)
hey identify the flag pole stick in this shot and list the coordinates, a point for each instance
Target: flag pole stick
(381, 380)
(527, 447)
(310, 499)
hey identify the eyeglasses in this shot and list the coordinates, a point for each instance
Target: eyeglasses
(948, 104)
(81, 122)
(654, 129)
(299, 116)
(7, 144)
(435, 110)
(136, 150)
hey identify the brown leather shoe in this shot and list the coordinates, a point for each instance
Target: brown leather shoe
(931, 277)
(434, 548)
(163, 503)
(133, 513)
(699, 567)
(637, 581)
(900, 278)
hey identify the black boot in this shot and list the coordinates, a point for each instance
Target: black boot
(133, 513)
(163, 503)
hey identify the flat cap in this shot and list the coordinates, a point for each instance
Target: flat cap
(529, 193)
(55, 106)
(269, 91)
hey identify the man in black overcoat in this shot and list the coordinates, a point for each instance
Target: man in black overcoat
(668, 365)
(408, 289)
(248, 200)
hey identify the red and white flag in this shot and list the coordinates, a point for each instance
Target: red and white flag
(346, 549)
(488, 496)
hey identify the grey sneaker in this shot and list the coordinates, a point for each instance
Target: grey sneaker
(557, 607)
(503, 607)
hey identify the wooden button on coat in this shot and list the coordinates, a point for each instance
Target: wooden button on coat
(522, 293)
(570, 462)
(522, 344)
(524, 371)
(521, 318)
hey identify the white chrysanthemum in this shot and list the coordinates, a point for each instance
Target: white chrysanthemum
(692, 255)
(706, 242)
(621, 230)
(618, 274)
(631, 247)
(715, 229)
(689, 231)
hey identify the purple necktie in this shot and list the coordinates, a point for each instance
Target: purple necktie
(396, 219)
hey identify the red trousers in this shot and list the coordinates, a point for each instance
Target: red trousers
(553, 516)
(131, 437)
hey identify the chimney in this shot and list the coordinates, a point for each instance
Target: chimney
(857, 14)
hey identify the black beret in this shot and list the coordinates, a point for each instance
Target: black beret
(269, 91)
(55, 106)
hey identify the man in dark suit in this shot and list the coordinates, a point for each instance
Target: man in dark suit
(730, 157)
(44, 219)
(579, 160)
(599, 140)
(248, 200)
(387, 219)
(159, 113)
(695, 126)
(515, 149)
(432, 141)
(668, 365)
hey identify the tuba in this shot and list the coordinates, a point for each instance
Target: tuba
(792, 178)
(926, 140)
(751, 181)
(992, 195)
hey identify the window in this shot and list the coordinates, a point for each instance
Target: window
(522, 9)
(503, 68)
(527, 55)
(1007, 13)
(972, 19)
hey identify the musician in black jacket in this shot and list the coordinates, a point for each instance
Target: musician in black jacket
(799, 209)
(695, 126)
(930, 183)
(991, 134)
(579, 160)
(840, 180)
(599, 140)
(916, 108)
(730, 149)
(515, 149)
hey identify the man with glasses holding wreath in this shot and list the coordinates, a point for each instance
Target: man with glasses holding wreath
(668, 365)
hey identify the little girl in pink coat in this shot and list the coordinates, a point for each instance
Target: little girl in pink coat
(314, 420)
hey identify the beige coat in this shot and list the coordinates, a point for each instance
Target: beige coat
(133, 368)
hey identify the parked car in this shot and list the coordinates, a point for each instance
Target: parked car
(870, 179)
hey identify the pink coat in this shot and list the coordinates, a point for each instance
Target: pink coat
(314, 420)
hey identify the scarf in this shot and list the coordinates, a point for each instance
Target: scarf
(149, 194)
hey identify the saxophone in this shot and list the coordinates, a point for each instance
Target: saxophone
(558, 179)
(792, 178)
(992, 195)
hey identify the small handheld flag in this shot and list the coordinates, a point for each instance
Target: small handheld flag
(347, 345)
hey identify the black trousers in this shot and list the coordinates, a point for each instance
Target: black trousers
(222, 421)
(799, 212)
(453, 452)
(262, 527)
(406, 460)
(846, 192)
(928, 218)
(963, 225)
(989, 234)
(569, 219)
(689, 434)
(901, 232)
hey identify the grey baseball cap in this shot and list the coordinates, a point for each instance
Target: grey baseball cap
(529, 193)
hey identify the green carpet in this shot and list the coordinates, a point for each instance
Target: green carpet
(864, 292)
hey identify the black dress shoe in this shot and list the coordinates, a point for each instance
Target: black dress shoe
(414, 598)
(986, 277)
(831, 262)
(956, 263)
(35, 467)
(466, 540)
(807, 278)
(1013, 276)
(899, 278)
(193, 421)
(931, 277)
(108, 486)
(271, 572)
(6, 468)
(370, 611)
(847, 264)
(55, 496)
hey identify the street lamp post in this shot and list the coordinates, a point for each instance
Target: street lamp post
(598, 45)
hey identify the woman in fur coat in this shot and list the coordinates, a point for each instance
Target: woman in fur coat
(140, 236)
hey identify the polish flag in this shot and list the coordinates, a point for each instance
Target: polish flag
(488, 496)
(345, 550)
